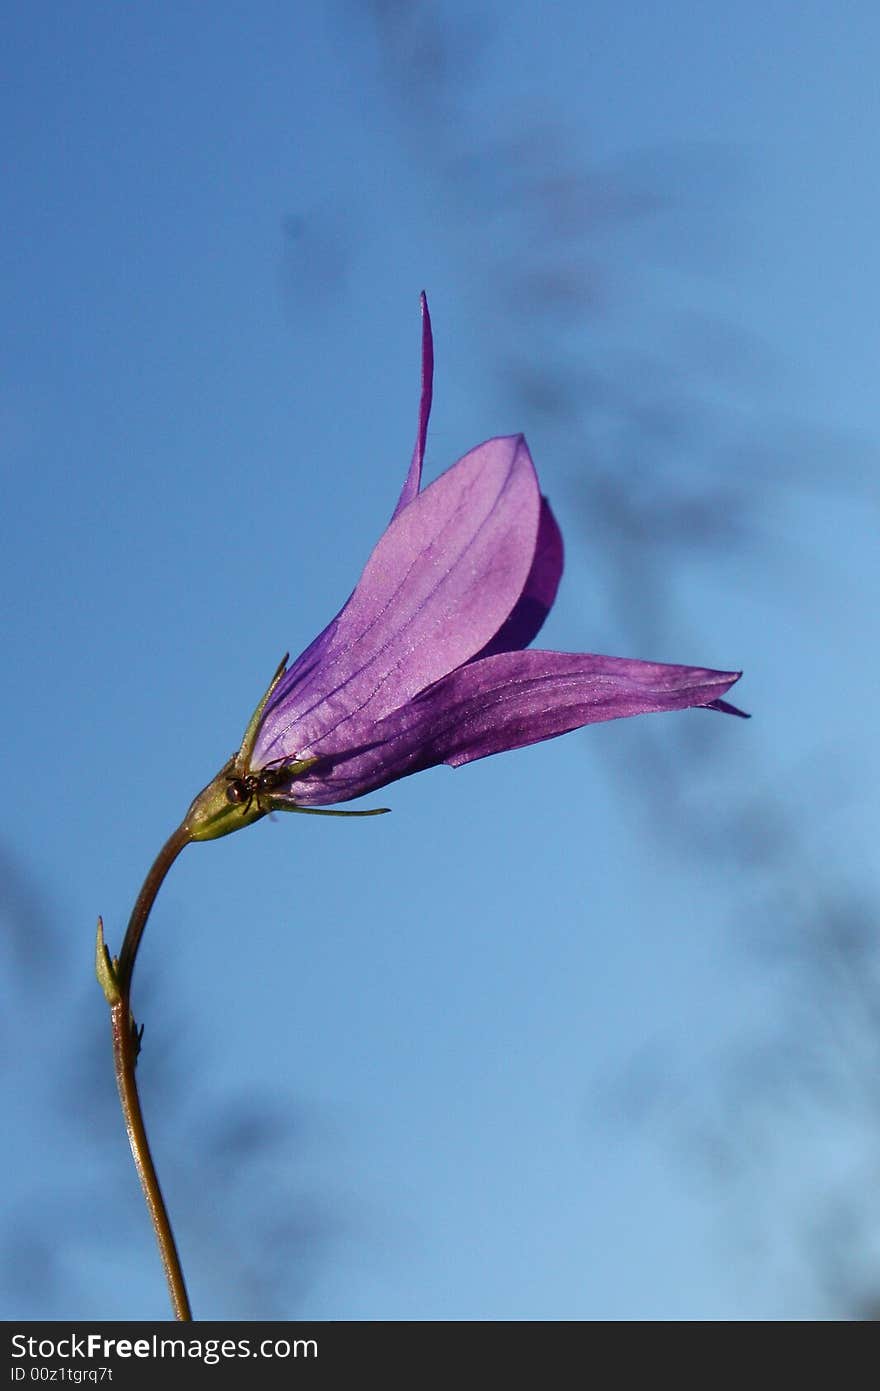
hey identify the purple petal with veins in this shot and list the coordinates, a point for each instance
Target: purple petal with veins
(505, 702)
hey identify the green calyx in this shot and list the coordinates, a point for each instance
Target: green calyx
(219, 808)
(238, 796)
(212, 814)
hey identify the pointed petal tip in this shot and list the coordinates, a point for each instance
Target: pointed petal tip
(413, 481)
(726, 708)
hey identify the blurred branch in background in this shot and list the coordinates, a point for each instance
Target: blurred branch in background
(684, 472)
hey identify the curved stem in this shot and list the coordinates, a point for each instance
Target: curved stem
(145, 900)
(125, 1050)
(125, 1045)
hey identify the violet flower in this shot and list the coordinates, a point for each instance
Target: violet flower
(428, 661)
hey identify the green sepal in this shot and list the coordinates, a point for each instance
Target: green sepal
(105, 969)
(326, 811)
(212, 814)
(242, 759)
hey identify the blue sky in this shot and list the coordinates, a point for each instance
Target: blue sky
(463, 1061)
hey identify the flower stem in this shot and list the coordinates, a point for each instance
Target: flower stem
(115, 978)
(145, 900)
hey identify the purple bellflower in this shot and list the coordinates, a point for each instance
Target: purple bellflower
(429, 661)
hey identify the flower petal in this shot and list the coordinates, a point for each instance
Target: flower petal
(536, 600)
(727, 709)
(306, 661)
(439, 584)
(413, 480)
(505, 702)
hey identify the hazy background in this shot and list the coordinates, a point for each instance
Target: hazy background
(590, 1030)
